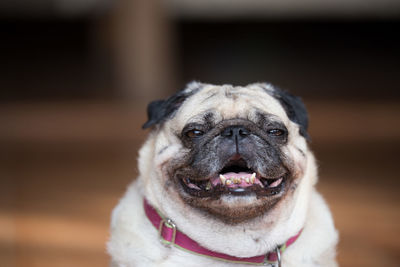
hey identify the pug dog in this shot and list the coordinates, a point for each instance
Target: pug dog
(226, 178)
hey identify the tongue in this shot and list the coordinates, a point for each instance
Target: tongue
(235, 180)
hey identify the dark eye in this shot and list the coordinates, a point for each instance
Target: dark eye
(194, 133)
(276, 132)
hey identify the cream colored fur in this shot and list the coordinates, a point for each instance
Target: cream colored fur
(134, 240)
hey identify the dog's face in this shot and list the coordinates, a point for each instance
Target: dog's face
(232, 153)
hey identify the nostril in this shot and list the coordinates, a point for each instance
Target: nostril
(236, 131)
(243, 132)
(227, 132)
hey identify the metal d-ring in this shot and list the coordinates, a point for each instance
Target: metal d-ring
(278, 254)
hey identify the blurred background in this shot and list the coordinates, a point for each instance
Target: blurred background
(76, 75)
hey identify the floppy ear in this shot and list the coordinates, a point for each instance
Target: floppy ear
(159, 110)
(295, 109)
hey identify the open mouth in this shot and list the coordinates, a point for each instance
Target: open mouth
(237, 179)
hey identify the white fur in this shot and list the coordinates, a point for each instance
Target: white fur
(134, 240)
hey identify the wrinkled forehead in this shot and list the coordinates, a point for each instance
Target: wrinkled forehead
(228, 102)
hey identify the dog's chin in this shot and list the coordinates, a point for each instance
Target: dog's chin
(235, 194)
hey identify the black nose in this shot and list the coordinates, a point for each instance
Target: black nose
(235, 132)
(235, 141)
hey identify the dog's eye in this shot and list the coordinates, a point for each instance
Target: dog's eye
(276, 132)
(194, 133)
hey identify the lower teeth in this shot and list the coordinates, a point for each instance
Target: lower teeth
(208, 186)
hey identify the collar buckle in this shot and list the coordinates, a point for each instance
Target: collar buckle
(167, 232)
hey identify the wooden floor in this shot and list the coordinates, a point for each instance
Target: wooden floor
(63, 166)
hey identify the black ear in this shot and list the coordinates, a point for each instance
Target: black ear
(295, 109)
(154, 111)
(159, 110)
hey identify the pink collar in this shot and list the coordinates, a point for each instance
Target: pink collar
(170, 235)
